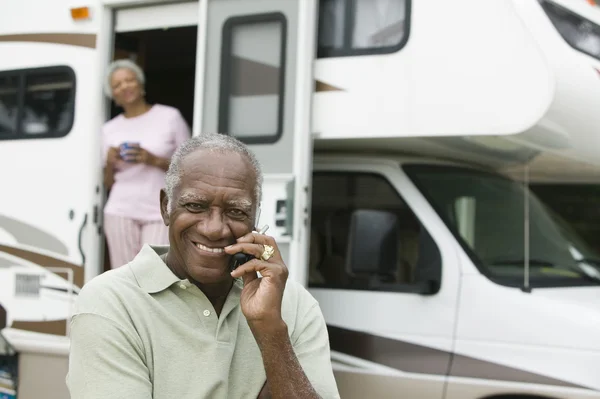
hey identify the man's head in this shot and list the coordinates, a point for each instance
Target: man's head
(213, 191)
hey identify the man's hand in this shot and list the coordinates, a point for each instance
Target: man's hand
(261, 304)
(261, 297)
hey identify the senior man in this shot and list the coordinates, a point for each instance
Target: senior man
(176, 323)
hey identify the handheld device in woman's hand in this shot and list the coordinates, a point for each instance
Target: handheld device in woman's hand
(240, 258)
(129, 151)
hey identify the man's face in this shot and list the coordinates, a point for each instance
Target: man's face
(212, 207)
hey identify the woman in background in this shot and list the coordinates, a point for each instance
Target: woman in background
(137, 146)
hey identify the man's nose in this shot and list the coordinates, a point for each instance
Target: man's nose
(213, 226)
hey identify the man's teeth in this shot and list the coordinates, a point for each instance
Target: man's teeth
(215, 250)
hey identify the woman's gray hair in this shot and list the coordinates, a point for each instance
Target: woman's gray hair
(119, 64)
(214, 142)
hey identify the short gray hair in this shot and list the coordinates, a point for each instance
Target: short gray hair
(119, 64)
(214, 142)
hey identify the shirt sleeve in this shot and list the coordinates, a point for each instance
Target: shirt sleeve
(311, 345)
(106, 361)
(180, 129)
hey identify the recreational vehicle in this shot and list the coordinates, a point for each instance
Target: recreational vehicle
(388, 131)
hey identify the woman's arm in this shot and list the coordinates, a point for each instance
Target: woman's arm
(162, 163)
(109, 169)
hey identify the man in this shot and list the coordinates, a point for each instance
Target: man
(177, 323)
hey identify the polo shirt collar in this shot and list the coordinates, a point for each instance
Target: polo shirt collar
(151, 273)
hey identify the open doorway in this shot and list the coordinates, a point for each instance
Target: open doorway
(168, 59)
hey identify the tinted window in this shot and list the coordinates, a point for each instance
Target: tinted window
(354, 27)
(335, 196)
(36, 103)
(486, 212)
(9, 104)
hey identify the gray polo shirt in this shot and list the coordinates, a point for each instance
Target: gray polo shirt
(141, 332)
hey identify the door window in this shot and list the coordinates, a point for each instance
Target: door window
(252, 80)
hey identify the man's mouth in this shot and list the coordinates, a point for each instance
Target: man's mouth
(216, 250)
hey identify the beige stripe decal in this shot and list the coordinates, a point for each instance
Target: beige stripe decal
(253, 78)
(54, 327)
(413, 358)
(46, 261)
(322, 86)
(71, 39)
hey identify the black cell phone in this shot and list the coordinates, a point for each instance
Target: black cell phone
(239, 259)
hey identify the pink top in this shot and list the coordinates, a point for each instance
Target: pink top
(135, 192)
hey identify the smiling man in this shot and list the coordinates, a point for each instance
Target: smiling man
(177, 323)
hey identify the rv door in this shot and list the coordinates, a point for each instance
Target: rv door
(255, 60)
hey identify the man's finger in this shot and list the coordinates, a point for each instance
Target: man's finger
(248, 277)
(257, 239)
(257, 265)
(255, 250)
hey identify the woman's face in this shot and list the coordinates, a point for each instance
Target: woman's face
(126, 89)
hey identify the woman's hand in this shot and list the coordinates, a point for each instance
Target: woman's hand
(139, 155)
(112, 156)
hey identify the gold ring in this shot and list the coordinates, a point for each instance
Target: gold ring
(267, 253)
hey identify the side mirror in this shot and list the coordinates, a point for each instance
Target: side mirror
(372, 243)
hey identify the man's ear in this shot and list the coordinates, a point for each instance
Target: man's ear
(164, 203)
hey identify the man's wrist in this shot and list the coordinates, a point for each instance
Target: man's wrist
(268, 331)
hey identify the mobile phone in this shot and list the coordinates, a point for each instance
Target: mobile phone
(240, 258)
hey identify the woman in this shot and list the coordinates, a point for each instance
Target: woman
(137, 148)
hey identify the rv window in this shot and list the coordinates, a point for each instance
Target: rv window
(252, 77)
(36, 103)
(355, 27)
(486, 214)
(9, 102)
(577, 31)
(335, 196)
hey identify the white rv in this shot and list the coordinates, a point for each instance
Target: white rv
(382, 127)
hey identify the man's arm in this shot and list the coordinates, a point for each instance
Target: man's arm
(310, 357)
(106, 361)
(285, 376)
(288, 363)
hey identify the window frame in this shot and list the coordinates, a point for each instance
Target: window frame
(226, 69)
(347, 50)
(414, 287)
(22, 75)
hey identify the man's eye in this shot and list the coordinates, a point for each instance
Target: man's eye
(194, 207)
(237, 212)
